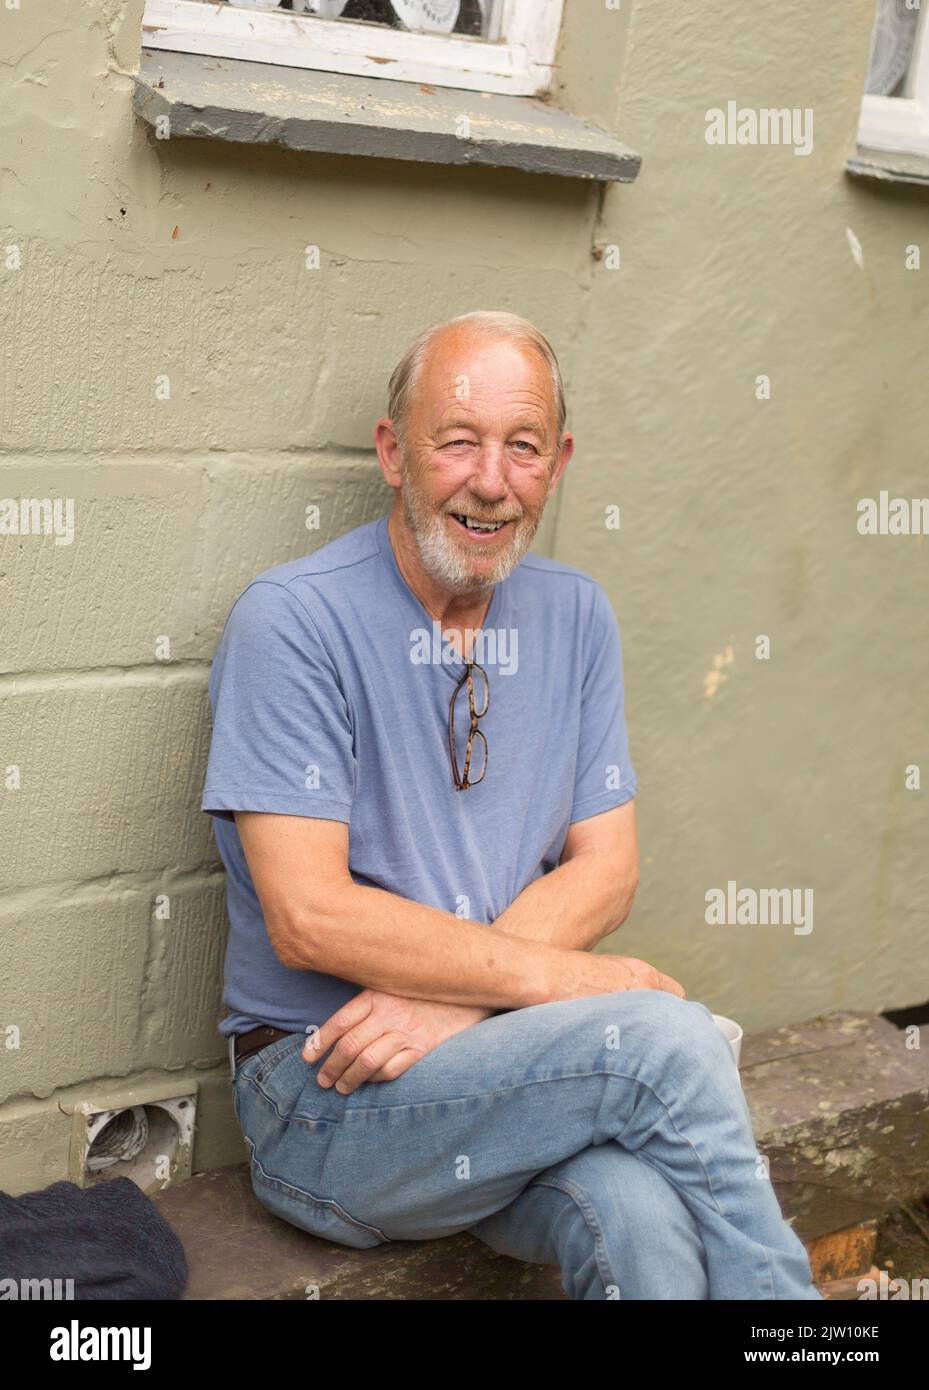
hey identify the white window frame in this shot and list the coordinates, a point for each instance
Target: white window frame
(518, 63)
(901, 124)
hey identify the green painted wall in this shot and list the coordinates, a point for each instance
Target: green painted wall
(739, 516)
(145, 259)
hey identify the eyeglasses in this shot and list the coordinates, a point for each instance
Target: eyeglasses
(462, 782)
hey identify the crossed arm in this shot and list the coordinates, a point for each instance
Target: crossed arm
(426, 973)
(590, 893)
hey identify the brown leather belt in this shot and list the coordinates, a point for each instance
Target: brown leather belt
(255, 1040)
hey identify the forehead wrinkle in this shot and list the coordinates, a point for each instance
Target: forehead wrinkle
(451, 390)
(531, 409)
(463, 421)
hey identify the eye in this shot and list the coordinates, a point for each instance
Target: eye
(454, 443)
(525, 444)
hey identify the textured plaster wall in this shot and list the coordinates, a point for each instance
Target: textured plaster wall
(144, 259)
(738, 516)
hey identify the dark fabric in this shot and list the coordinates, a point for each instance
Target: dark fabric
(110, 1239)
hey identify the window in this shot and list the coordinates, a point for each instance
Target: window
(895, 107)
(505, 46)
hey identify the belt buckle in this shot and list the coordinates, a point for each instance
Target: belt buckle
(232, 1042)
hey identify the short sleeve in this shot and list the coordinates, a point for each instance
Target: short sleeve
(282, 732)
(604, 777)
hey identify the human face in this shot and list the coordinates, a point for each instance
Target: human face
(481, 444)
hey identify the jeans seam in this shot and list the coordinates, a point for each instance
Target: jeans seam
(311, 1197)
(303, 1121)
(591, 1221)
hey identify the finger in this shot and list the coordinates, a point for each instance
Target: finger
(397, 1065)
(369, 1060)
(350, 1014)
(346, 1049)
(671, 985)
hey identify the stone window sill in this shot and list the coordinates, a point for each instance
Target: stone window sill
(891, 166)
(332, 113)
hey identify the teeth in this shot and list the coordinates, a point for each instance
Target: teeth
(479, 525)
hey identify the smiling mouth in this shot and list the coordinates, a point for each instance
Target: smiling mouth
(478, 528)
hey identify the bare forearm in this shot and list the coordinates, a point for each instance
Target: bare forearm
(385, 942)
(574, 906)
(318, 918)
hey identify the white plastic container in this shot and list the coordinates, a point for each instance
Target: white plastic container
(732, 1032)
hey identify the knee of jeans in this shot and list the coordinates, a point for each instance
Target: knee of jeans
(683, 1025)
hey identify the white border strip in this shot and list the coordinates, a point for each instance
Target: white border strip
(893, 123)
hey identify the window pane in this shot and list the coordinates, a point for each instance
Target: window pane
(893, 42)
(471, 17)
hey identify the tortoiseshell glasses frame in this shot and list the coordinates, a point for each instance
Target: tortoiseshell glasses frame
(463, 780)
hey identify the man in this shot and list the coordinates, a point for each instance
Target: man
(425, 804)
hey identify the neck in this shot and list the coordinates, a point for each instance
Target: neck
(467, 609)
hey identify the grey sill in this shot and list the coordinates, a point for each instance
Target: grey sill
(260, 104)
(889, 165)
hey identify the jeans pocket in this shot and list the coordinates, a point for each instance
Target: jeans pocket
(254, 1069)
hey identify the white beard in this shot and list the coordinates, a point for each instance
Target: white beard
(440, 557)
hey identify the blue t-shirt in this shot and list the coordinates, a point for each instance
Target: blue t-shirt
(330, 693)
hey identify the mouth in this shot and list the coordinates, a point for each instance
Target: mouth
(476, 530)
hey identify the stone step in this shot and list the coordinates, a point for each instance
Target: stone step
(839, 1105)
(237, 1249)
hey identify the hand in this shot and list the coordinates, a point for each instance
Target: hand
(378, 1036)
(625, 972)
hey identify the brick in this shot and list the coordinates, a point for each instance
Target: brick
(105, 330)
(125, 579)
(263, 505)
(119, 990)
(111, 769)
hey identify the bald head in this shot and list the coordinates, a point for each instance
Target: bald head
(454, 335)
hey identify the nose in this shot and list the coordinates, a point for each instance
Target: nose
(489, 480)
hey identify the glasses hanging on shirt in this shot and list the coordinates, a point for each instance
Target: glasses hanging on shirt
(474, 680)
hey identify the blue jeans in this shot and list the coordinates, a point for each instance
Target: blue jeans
(608, 1135)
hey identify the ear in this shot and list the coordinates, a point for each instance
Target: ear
(388, 451)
